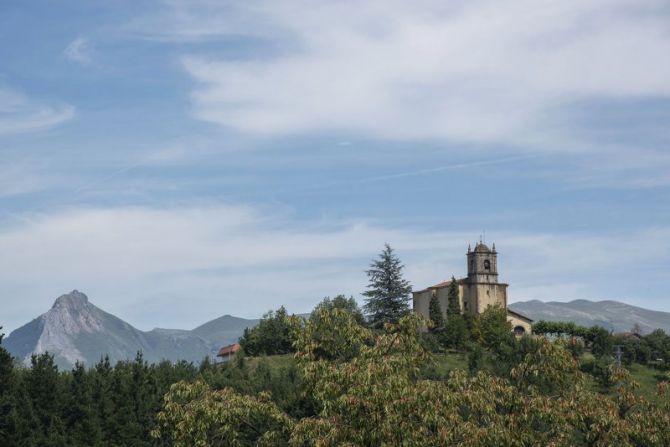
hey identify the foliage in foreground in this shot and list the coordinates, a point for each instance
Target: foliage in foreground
(367, 390)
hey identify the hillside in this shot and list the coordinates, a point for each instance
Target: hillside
(612, 315)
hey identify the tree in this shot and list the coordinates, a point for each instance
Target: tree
(388, 292)
(271, 336)
(474, 324)
(376, 398)
(340, 302)
(79, 413)
(44, 392)
(8, 417)
(456, 332)
(454, 302)
(435, 313)
(601, 341)
(494, 326)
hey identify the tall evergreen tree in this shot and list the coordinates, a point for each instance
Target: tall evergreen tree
(456, 331)
(388, 292)
(44, 392)
(7, 414)
(454, 303)
(80, 417)
(435, 313)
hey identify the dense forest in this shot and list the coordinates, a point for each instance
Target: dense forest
(338, 378)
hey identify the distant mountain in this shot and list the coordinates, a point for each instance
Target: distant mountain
(76, 330)
(612, 315)
(223, 330)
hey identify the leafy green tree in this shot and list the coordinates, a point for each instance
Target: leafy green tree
(388, 293)
(456, 332)
(494, 326)
(341, 302)
(602, 343)
(659, 344)
(377, 398)
(435, 314)
(474, 325)
(271, 336)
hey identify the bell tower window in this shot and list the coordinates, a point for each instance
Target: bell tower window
(487, 264)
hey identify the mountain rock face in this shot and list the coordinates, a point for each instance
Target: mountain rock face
(76, 330)
(612, 315)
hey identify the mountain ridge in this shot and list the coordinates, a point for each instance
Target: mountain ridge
(610, 314)
(74, 329)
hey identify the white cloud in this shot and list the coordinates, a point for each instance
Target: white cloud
(22, 178)
(466, 71)
(181, 266)
(79, 50)
(19, 113)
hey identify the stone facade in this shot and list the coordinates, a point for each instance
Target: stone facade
(477, 291)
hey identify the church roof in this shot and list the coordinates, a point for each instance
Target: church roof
(518, 315)
(443, 284)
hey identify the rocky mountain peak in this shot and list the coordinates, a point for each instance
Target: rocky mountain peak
(74, 299)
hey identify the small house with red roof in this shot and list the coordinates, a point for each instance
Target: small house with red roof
(227, 352)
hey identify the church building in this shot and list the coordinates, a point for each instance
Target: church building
(477, 291)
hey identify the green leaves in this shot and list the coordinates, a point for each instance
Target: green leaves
(368, 391)
(271, 336)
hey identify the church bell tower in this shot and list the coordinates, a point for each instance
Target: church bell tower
(482, 264)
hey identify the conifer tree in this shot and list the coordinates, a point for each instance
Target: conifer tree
(456, 331)
(435, 313)
(454, 304)
(388, 292)
(7, 416)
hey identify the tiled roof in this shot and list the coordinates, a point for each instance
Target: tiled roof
(227, 350)
(443, 284)
(522, 316)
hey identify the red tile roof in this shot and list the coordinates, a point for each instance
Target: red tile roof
(443, 284)
(228, 350)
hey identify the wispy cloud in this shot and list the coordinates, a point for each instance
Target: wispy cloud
(21, 178)
(475, 71)
(80, 50)
(19, 113)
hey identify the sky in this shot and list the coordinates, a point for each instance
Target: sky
(177, 160)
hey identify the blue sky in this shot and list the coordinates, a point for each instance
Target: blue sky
(179, 160)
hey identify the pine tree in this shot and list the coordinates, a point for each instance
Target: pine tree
(454, 304)
(388, 292)
(435, 313)
(80, 417)
(456, 331)
(7, 413)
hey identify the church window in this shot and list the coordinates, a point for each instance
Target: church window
(487, 265)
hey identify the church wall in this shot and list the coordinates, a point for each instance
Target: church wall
(421, 302)
(519, 322)
(490, 295)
